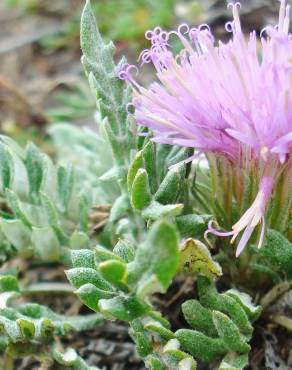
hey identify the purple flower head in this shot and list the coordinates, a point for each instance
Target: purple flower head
(232, 99)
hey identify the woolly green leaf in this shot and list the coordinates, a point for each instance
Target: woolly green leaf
(53, 219)
(210, 298)
(6, 167)
(83, 258)
(17, 234)
(148, 154)
(49, 182)
(10, 143)
(124, 250)
(113, 98)
(140, 194)
(119, 208)
(84, 208)
(201, 346)
(229, 333)
(113, 174)
(115, 272)
(50, 210)
(65, 177)
(170, 187)
(27, 328)
(233, 361)
(182, 360)
(89, 294)
(278, 251)
(136, 164)
(104, 254)
(178, 155)
(159, 329)
(14, 204)
(8, 283)
(70, 358)
(156, 211)
(122, 308)
(142, 340)
(112, 137)
(162, 152)
(199, 317)
(187, 363)
(238, 315)
(192, 225)
(23, 323)
(156, 315)
(82, 275)
(92, 44)
(79, 240)
(46, 244)
(34, 166)
(265, 270)
(154, 363)
(162, 245)
(245, 301)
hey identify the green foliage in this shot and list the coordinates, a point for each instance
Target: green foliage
(155, 275)
(26, 328)
(277, 253)
(221, 324)
(53, 200)
(116, 284)
(146, 196)
(85, 150)
(46, 206)
(146, 182)
(107, 88)
(158, 187)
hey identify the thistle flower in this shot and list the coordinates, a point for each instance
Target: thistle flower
(232, 100)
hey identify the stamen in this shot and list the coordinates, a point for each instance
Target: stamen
(286, 101)
(125, 74)
(237, 23)
(180, 33)
(229, 27)
(282, 15)
(242, 80)
(287, 20)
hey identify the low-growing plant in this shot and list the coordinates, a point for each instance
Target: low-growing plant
(130, 218)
